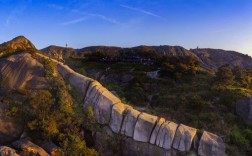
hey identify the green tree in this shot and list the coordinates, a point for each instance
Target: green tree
(240, 76)
(41, 103)
(49, 69)
(224, 75)
(176, 67)
(73, 146)
(40, 108)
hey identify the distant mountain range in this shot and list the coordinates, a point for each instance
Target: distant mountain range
(209, 58)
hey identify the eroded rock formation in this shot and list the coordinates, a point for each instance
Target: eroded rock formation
(139, 126)
(28, 146)
(211, 144)
(7, 151)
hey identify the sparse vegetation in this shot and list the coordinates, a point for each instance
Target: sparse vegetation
(49, 69)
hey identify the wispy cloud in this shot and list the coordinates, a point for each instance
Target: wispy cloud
(105, 18)
(13, 14)
(92, 15)
(142, 11)
(75, 21)
(86, 15)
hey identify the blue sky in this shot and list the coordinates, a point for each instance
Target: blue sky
(225, 24)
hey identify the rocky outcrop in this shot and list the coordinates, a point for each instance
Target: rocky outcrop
(10, 128)
(184, 137)
(144, 127)
(27, 146)
(166, 135)
(129, 122)
(19, 43)
(7, 151)
(211, 145)
(156, 130)
(117, 116)
(22, 71)
(140, 128)
(244, 109)
(104, 105)
(51, 148)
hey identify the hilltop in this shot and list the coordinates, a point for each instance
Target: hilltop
(19, 43)
(214, 58)
(209, 58)
(59, 52)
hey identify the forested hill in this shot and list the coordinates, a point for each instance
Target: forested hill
(209, 58)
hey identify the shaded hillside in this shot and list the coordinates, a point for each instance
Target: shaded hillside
(214, 58)
(22, 71)
(19, 43)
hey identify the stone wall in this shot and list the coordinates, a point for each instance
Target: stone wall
(139, 126)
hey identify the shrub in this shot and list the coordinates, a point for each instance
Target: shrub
(236, 138)
(49, 69)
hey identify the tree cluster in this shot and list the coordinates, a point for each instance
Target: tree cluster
(226, 75)
(177, 67)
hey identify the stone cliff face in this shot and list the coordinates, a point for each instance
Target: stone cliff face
(139, 126)
(22, 71)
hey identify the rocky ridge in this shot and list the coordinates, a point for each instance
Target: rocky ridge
(214, 58)
(142, 127)
(209, 58)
